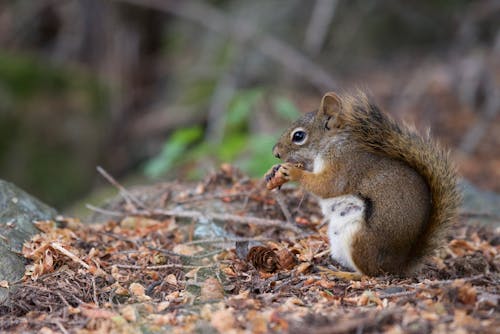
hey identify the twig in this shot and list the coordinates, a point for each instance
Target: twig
(206, 215)
(397, 294)
(94, 294)
(224, 217)
(63, 299)
(191, 213)
(284, 209)
(223, 240)
(163, 266)
(129, 198)
(60, 326)
(196, 256)
(104, 211)
(448, 281)
(57, 246)
(213, 196)
(244, 32)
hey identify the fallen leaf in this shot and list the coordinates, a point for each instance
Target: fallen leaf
(211, 290)
(129, 313)
(171, 279)
(93, 312)
(467, 294)
(162, 306)
(302, 268)
(223, 320)
(187, 249)
(137, 289)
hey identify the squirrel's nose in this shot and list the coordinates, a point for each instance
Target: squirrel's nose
(276, 153)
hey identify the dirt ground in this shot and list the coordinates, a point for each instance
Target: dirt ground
(142, 270)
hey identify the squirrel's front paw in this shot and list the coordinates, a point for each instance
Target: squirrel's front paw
(280, 174)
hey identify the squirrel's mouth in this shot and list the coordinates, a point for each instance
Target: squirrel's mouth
(306, 165)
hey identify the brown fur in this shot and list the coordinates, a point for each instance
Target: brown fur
(406, 180)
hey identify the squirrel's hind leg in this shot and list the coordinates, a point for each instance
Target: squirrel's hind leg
(346, 216)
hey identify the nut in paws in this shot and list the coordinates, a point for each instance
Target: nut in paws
(273, 177)
(279, 174)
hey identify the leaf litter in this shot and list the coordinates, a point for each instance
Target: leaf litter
(143, 270)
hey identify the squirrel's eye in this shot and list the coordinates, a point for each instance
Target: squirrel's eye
(299, 137)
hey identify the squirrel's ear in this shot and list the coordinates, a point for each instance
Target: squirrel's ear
(330, 104)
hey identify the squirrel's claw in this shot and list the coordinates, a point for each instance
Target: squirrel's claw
(280, 174)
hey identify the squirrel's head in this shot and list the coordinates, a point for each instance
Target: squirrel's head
(310, 134)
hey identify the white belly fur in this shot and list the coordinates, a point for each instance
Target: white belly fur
(345, 215)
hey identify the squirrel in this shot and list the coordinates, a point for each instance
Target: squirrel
(388, 193)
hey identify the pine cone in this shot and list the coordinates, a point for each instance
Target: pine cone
(263, 258)
(286, 259)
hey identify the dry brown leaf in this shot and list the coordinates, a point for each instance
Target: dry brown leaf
(302, 268)
(94, 312)
(171, 279)
(129, 313)
(223, 320)
(286, 259)
(187, 249)
(162, 306)
(467, 294)
(211, 290)
(369, 297)
(45, 226)
(137, 290)
(46, 330)
(258, 321)
(192, 273)
(228, 271)
(280, 324)
(431, 316)
(461, 247)
(162, 319)
(462, 319)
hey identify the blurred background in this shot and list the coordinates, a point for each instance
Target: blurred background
(164, 89)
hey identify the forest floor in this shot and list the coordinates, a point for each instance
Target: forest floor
(145, 269)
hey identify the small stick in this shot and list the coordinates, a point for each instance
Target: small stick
(61, 327)
(397, 294)
(450, 281)
(104, 211)
(197, 215)
(224, 217)
(281, 202)
(63, 299)
(214, 196)
(163, 266)
(223, 240)
(196, 256)
(96, 301)
(57, 246)
(129, 198)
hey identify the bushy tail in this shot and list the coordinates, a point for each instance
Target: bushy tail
(379, 133)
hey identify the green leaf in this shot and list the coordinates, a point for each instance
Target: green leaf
(260, 157)
(232, 146)
(286, 108)
(173, 151)
(240, 107)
